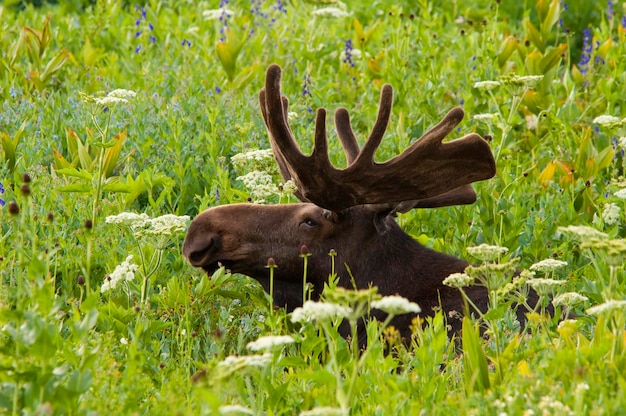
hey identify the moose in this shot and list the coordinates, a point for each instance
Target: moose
(351, 211)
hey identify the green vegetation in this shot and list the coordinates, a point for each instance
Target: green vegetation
(111, 108)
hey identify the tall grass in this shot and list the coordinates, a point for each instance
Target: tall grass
(104, 316)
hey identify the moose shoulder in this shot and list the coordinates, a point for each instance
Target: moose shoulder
(351, 211)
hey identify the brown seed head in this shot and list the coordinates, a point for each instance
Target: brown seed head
(14, 209)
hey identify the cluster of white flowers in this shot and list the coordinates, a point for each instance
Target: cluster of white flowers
(608, 120)
(118, 96)
(525, 80)
(584, 232)
(214, 14)
(339, 11)
(569, 299)
(123, 272)
(458, 280)
(548, 265)
(486, 118)
(551, 406)
(259, 155)
(235, 409)
(326, 411)
(260, 184)
(355, 54)
(611, 214)
(143, 225)
(236, 361)
(621, 194)
(486, 252)
(607, 307)
(319, 311)
(268, 342)
(486, 85)
(545, 286)
(396, 305)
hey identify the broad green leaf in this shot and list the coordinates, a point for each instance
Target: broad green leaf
(71, 171)
(112, 154)
(76, 187)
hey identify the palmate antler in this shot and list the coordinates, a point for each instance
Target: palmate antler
(426, 174)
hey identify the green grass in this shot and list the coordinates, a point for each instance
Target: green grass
(154, 344)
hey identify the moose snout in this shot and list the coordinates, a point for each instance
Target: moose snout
(199, 249)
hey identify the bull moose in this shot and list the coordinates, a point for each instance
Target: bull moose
(350, 211)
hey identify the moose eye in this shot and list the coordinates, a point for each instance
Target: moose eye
(309, 222)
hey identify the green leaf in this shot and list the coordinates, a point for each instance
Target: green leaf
(75, 173)
(475, 367)
(76, 187)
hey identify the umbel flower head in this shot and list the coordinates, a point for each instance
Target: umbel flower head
(486, 252)
(269, 342)
(396, 305)
(458, 280)
(548, 265)
(319, 311)
(123, 272)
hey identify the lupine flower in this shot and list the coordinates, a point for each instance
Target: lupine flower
(585, 57)
(396, 305)
(185, 42)
(306, 86)
(486, 252)
(266, 343)
(2, 201)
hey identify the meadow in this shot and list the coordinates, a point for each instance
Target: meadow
(120, 121)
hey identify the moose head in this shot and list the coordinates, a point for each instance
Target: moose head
(350, 211)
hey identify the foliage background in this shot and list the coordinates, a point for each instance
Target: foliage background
(154, 345)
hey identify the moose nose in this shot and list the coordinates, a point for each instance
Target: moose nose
(199, 249)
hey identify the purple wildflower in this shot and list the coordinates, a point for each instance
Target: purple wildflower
(306, 86)
(2, 201)
(185, 42)
(585, 57)
(348, 53)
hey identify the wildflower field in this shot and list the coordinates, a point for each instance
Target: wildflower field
(120, 122)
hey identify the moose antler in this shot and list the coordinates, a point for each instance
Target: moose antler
(424, 171)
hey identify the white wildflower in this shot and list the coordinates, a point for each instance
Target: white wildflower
(289, 187)
(269, 342)
(485, 118)
(545, 286)
(486, 85)
(607, 307)
(235, 409)
(355, 54)
(621, 194)
(123, 272)
(236, 361)
(319, 311)
(260, 184)
(569, 299)
(331, 11)
(485, 252)
(611, 214)
(109, 101)
(622, 142)
(458, 280)
(123, 341)
(129, 219)
(607, 120)
(259, 155)
(551, 406)
(531, 121)
(292, 115)
(326, 411)
(526, 80)
(122, 93)
(396, 305)
(548, 265)
(214, 14)
(166, 225)
(584, 232)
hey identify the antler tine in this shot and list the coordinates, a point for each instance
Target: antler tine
(346, 135)
(382, 120)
